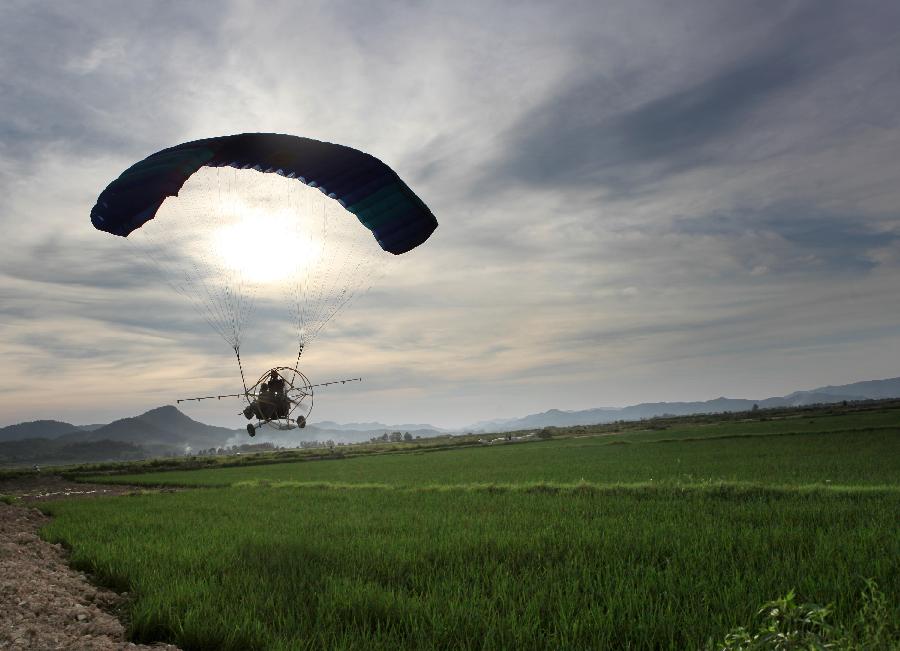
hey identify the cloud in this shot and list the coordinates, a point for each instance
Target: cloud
(794, 239)
(53, 259)
(557, 144)
(628, 131)
(638, 200)
(93, 89)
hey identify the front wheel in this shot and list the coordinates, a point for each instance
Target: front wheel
(251, 430)
(301, 422)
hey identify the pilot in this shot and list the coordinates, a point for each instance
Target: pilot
(280, 399)
(276, 382)
(264, 405)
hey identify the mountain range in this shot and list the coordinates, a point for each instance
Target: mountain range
(166, 430)
(868, 390)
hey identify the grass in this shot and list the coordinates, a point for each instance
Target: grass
(286, 568)
(658, 539)
(859, 457)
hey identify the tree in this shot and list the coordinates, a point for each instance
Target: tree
(407, 436)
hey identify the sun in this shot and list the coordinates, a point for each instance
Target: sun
(263, 246)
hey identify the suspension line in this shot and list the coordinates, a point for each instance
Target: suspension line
(237, 352)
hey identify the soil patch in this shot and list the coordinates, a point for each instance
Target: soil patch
(45, 604)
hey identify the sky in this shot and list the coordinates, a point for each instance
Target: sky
(638, 201)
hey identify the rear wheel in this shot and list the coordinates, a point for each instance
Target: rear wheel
(251, 430)
(301, 422)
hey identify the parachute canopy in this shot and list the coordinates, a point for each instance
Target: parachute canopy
(365, 186)
(265, 222)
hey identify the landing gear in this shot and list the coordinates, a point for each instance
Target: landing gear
(251, 430)
(301, 422)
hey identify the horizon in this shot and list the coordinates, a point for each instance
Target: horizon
(317, 422)
(645, 203)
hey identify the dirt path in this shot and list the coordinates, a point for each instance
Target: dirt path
(44, 604)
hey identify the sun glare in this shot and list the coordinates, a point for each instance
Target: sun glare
(264, 246)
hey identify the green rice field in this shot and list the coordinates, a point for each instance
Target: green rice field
(655, 539)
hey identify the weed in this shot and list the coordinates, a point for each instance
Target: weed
(785, 625)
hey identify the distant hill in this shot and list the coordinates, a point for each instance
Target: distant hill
(162, 431)
(90, 428)
(166, 430)
(163, 427)
(47, 429)
(873, 389)
(158, 432)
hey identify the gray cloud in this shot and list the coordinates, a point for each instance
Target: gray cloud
(91, 86)
(552, 147)
(591, 132)
(53, 259)
(798, 238)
